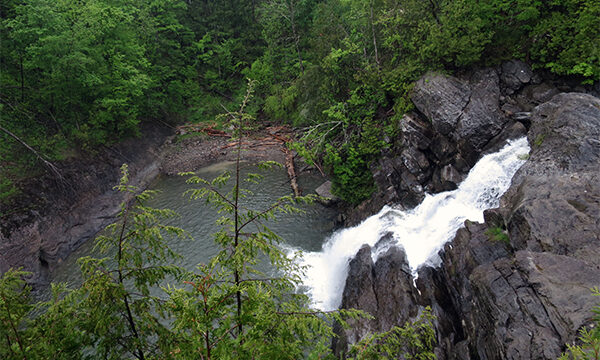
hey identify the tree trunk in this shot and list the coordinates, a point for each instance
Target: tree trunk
(373, 34)
(22, 79)
(130, 319)
(47, 163)
(295, 34)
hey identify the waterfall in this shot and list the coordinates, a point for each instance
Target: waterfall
(421, 231)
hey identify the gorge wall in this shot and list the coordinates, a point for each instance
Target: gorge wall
(58, 215)
(521, 299)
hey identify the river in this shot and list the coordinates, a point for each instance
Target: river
(306, 230)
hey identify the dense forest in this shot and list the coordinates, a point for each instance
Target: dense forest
(77, 75)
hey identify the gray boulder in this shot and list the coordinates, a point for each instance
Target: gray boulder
(481, 119)
(326, 196)
(442, 99)
(464, 110)
(515, 74)
(383, 289)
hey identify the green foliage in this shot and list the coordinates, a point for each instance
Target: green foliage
(567, 38)
(352, 179)
(7, 189)
(589, 339)
(122, 316)
(497, 234)
(414, 341)
(82, 59)
(281, 104)
(350, 140)
(114, 313)
(32, 331)
(539, 140)
(14, 307)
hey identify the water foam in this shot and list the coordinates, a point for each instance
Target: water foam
(422, 231)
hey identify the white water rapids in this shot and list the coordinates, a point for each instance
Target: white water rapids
(421, 231)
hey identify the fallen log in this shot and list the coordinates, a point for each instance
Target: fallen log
(47, 163)
(289, 165)
(206, 129)
(249, 145)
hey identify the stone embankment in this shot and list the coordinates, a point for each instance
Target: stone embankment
(521, 299)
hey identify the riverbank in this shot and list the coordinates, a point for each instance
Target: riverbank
(53, 217)
(190, 151)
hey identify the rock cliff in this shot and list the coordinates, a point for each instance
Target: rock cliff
(61, 215)
(520, 299)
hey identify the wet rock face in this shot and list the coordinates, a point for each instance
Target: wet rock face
(527, 298)
(383, 289)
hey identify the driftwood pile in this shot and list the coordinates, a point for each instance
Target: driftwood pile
(275, 136)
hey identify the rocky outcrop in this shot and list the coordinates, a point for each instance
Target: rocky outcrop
(554, 199)
(383, 289)
(527, 297)
(457, 120)
(467, 112)
(61, 215)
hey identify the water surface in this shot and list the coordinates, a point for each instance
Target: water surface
(305, 231)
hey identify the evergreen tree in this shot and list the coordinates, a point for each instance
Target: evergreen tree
(231, 309)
